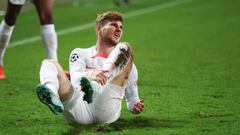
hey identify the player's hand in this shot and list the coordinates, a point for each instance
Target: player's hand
(99, 76)
(138, 107)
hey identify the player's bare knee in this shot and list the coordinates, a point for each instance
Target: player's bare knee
(65, 93)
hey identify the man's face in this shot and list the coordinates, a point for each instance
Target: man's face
(111, 32)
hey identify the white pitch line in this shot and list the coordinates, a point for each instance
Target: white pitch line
(90, 25)
(156, 8)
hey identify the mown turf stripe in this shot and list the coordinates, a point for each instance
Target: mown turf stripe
(90, 25)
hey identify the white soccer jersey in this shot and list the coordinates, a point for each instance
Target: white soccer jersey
(84, 61)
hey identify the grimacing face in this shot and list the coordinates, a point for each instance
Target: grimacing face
(111, 32)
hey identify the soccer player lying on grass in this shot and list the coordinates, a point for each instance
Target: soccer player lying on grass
(48, 33)
(100, 78)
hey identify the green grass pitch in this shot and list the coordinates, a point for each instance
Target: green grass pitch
(187, 54)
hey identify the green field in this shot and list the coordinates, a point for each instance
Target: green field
(188, 57)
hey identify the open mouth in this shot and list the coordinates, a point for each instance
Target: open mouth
(117, 35)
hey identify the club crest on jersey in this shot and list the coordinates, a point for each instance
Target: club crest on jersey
(74, 57)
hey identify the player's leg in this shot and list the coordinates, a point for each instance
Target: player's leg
(48, 32)
(55, 86)
(6, 29)
(118, 60)
(114, 65)
(109, 97)
(13, 10)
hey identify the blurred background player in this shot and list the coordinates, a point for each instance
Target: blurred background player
(44, 9)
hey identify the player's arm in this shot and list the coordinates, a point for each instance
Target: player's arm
(134, 104)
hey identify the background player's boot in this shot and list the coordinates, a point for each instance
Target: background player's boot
(2, 75)
(46, 96)
(89, 88)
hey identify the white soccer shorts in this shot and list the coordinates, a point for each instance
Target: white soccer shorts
(18, 2)
(105, 108)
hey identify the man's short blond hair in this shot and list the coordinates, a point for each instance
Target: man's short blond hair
(105, 17)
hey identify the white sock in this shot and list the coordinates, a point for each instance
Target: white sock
(5, 36)
(110, 66)
(49, 38)
(48, 76)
